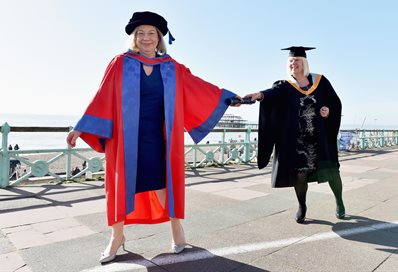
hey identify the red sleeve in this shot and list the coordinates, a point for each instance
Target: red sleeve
(97, 122)
(204, 105)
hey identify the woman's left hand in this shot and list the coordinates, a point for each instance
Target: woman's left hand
(324, 111)
(236, 104)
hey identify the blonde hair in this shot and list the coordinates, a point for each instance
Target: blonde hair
(306, 69)
(160, 48)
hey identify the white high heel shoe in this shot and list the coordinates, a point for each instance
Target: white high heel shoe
(178, 248)
(110, 257)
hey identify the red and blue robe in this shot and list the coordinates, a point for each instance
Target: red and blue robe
(111, 121)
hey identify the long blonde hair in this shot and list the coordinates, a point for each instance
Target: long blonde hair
(306, 69)
(160, 48)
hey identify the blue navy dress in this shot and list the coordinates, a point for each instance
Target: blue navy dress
(151, 164)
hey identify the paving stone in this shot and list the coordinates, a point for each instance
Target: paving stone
(11, 261)
(24, 269)
(348, 168)
(69, 233)
(388, 265)
(25, 217)
(28, 238)
(55, 225)
(16, 229)
(240, 194)
(5, 246)
(84, 207)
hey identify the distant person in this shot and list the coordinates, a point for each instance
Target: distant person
(84, 165)
(300, 117)
(76, 171)
(13, 166)
(137, 118)
(16, 147)
(10, 147)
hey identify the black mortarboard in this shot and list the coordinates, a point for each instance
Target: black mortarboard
(147, 18)
(298, 51)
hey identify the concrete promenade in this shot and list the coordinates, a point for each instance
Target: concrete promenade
(234, 222)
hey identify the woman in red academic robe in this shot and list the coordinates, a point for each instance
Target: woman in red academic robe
(137, 118)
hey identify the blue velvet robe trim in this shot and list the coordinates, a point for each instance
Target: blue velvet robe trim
(130, 116)
(168, 73)
(200, 132)
(95, 125)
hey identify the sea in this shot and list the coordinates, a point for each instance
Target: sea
(51, 140)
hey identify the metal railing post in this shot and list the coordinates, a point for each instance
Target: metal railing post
(383, 140)
(362, 137)
(223, 147)
(4, 157)
(247, 145)
(68, 160)
(396, 137)
(194, 156)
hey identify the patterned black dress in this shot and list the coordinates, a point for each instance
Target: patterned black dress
(307, 134)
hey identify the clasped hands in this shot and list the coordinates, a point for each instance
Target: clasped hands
(247, 99)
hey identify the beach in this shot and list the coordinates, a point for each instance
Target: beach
(56, 166)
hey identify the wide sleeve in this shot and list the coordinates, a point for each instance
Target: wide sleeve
(204, 105)
(97, 122)
(333, 102)
(267, 123)
(273, 93)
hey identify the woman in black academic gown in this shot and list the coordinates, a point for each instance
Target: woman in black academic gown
(300, 118)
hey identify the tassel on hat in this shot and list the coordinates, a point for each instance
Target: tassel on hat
(171, 38)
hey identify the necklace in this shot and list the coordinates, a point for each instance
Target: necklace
(307, 87)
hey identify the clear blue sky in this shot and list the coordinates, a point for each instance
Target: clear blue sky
(54, 52)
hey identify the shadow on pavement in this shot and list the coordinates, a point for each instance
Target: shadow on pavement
(366, 230)
(223, 174)
(192, 259)
(54, 195)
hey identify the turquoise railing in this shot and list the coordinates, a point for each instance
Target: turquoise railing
(16, 167)
(361, 139)
(29, 165)
(223, 152)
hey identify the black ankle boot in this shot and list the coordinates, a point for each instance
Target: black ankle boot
(340, 211)
(300, 215)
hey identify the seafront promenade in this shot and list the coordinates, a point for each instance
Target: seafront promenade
(234, 221)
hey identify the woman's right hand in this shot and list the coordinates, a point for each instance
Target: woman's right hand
(255, 96)
(72, 137)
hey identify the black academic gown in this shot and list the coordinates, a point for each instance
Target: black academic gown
(278, 129)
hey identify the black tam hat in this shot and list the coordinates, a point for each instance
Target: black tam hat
(298, 51)
(147, 18)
